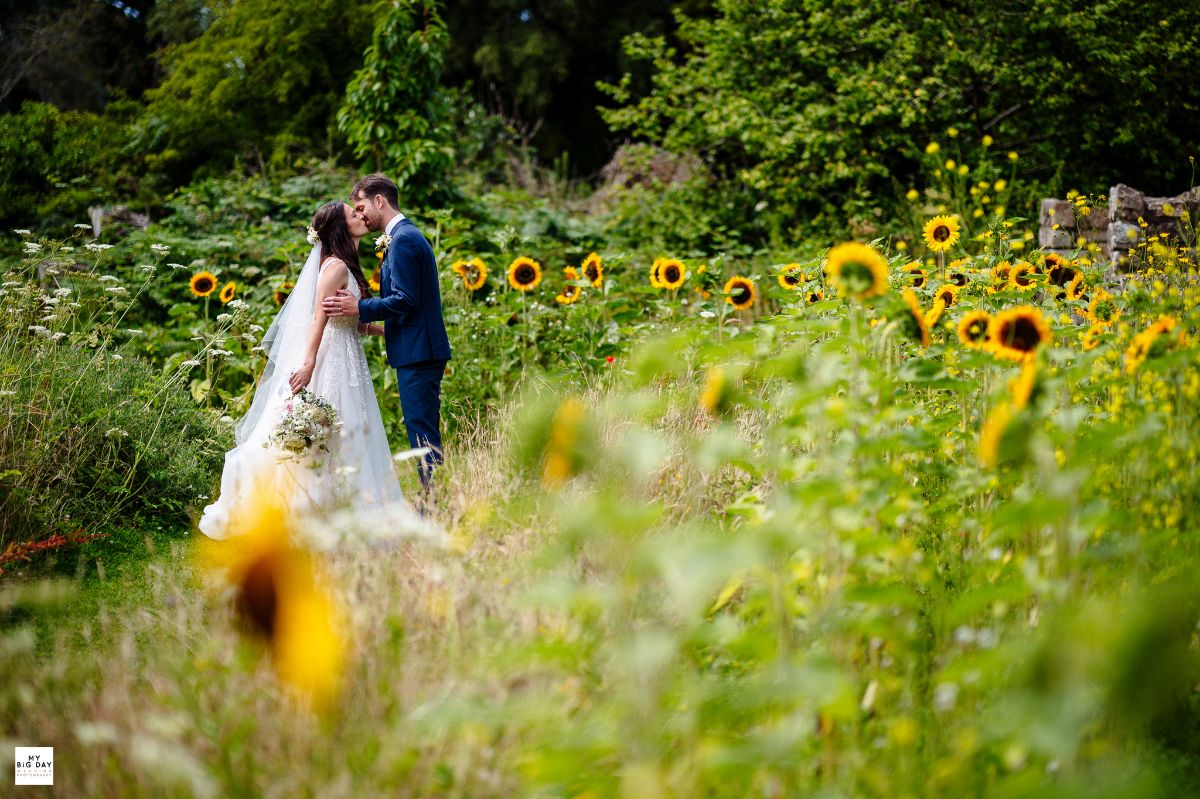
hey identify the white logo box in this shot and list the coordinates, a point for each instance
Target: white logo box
(35, 765)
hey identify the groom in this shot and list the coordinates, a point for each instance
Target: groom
(410, 305)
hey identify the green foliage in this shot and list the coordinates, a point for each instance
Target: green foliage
(396, 114)
(259, 86)
(54, 164)
(814, 115)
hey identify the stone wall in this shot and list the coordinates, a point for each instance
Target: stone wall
(1118, 228)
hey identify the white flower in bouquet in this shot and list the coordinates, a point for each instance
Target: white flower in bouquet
(308, 424)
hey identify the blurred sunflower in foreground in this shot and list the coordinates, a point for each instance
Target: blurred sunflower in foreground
(278, 596)
(857, 270)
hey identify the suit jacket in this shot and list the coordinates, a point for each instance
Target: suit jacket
(409, 301)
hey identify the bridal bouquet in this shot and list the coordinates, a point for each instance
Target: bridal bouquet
(307, 424)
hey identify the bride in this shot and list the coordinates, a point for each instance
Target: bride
(305, 348)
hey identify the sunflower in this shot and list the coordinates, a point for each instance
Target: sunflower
(957, 271)
(203, 284)
(916, 275)
(281, 293)
(570, 292)
(375, 281)
(1074, 289)
(992, 432)
(1058, 271)
(566, 454)
(524, 274)
(1021, 278)
(912, 323)
(1000, 273)
(941, 233)
(278, 596)
(934, 313)
(1024, 387)
(1150, 343)
(472, 272)
(814, 296)
(1016, 333)
(717, 391)
(593, 269)
(857, 270)
(972, 329)
(746, 292)
(1103, 310)
(947, 293)
(1091, 339)
(790, 277)
(227, 293)
(671, 274)
(655, 270)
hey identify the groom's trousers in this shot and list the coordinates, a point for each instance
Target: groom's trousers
(420, 386)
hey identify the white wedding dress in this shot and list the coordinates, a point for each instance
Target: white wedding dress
(352, 489)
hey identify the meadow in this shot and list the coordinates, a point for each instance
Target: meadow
(907, 516)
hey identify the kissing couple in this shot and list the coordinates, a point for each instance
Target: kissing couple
(313, 440)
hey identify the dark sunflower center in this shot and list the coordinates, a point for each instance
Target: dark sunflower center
(1104, 311)
(204, 284)
(1023, 279)
(918, 280)
(256, 599)
(1021, 334)
(524, 274)
(941, 233)
(590, 272)
(976, 330)
(947, 297)
(791, 278)
(671, 274)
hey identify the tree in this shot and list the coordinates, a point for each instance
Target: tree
(260, 85)
(396, 112)
(808, 112)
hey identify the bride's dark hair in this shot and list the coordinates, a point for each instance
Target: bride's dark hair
(330, 224)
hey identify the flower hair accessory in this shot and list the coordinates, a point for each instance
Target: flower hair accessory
(313, 237)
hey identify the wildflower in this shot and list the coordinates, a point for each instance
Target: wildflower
(740, 292)
(1000, 185)
(160, 249)
(93, 246)
(32, 248)
(932, 148)
(1149, 343)
(814, 297)
(941, 233)
(1012, 155)
(671, 274)
(912, 195)
(1058, 271)
(912, 320)
(20, 231)
(227, 292)
(1074, 289)
(570, 292)
(82, 226)
(972, 329)
(238, 305)
(950, 164)
(524, 274)
(176, 266)
(203, 284)
(118, 290)
(790, 277)
(857, 270)
(1016, 333)
(593, 269)
(39, 331)
(988, 141)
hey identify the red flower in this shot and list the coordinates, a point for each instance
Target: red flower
(610, 359)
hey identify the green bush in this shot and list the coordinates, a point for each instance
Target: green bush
(94, 440)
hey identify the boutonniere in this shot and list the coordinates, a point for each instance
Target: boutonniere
(382, 243)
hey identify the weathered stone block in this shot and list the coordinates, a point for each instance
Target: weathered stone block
(1048, 238)
(1123, 236)
(1095, 221)
(1057, 212)
(1125, 204)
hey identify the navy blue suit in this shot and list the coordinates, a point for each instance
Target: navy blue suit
(410, 306)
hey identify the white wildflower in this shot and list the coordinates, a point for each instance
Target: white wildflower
(32, 248)
(257, 349)
(97, 247)
(38, 330)
(118, 357)
(109, 279)
(189, 364)
(238, 305)
(22, 231)
(177, 266)
(118, 290)
(115, 432)
(62, 292)
(82, 226)
(8, 393)
(150, 268)
(222, 318)
(58, 335)
(256, 328)
(66, 249)
(133, 332)
(161, 249)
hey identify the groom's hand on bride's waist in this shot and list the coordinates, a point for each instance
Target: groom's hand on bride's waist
(340, 304)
